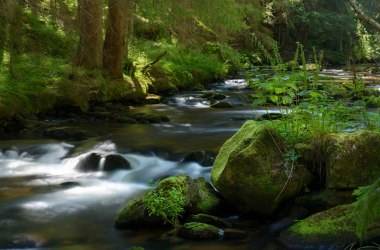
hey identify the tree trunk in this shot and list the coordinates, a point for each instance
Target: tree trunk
(15, 34)
(3, 30)
(89, 52)
(115, 41)
(364, 17)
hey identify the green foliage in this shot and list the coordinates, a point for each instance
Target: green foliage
(366, 209)
(167, 204)
(308, 107)
(192, 21)
(182, 66)
(44, 36)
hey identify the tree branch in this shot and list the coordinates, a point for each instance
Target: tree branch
(158, 58)
(364, 17)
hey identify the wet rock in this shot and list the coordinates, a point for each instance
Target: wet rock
(251, 173)
(204, 158)
(69, 184)
(125, 119)
(153, 99)
(149, 118)
(214, 96)
(325, 199)
(209, 219)
(89, 162)
(199, 196)
(330, 229)
(199, 231)
(353, 159)
(135, 216)
(115, 162)
(221, 105)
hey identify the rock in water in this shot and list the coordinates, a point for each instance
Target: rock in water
(330, 229)
(353, 159)
(89, 163)
(114, 162)
(197, 230)
(199, 195)
(250, 170)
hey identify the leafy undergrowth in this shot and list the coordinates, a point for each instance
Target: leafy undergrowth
(182, 67)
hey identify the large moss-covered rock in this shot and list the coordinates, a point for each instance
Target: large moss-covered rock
(353, 159)
(250, 170)
(330, 229)
(196, 230)
(199, 197)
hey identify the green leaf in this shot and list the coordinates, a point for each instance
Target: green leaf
(279, 90)
(258, 102)
(274, 98)
(313, 94)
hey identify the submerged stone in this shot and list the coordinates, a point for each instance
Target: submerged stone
(209, 219)
(196, 230)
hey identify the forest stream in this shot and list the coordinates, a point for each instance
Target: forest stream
(48, 204)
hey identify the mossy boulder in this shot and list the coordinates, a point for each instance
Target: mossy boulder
(250, 170)
(198, 194)
(196, 231)
(135, 216)
(330, 229)
(353, 159)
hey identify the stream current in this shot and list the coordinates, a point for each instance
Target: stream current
(47, 204)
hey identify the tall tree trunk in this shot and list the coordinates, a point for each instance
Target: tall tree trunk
(364, 17)
(115, 41)
(15, 34)
(89, 52)
(3, 29)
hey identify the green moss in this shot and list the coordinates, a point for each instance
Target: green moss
(250, 170)
(196, 230)
(207, 200)
(333, 228)
(353, 159)
(327, 223)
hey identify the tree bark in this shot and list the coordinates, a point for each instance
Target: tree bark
(364, 17)
(14, 34)
(89, 52)
(115, 41)
(3, 30)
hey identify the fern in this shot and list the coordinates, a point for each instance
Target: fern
(366, 209)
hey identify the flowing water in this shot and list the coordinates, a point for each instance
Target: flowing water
(46, 203)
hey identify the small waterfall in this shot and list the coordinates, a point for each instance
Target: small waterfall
(101, 163)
